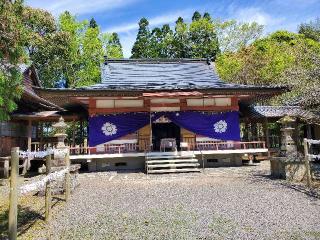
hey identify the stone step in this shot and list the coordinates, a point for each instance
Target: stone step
(174, 170)
(186, 160)
(172, 165)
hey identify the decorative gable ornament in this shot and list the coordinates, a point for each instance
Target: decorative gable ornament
(109, 129)
(221, 126)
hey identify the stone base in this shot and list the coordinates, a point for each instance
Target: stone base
(289, 170)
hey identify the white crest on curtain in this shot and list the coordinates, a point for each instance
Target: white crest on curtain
(221, 126)
(109, 129)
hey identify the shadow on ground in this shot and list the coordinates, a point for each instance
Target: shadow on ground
(299, 187)
(27, 218)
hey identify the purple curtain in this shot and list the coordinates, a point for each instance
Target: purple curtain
(224, 126)
(106, 128)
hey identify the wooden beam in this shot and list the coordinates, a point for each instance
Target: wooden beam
(94, 111)
(165, 105)
(210, 108)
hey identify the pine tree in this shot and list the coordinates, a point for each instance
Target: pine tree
(207, 16)
(93, 23)
(181, 43)
(166, 42)
(113, 46)
(155, 43)
(141, 46)
(196, 16)
(204, 41)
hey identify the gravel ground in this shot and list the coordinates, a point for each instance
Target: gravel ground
(222, 203)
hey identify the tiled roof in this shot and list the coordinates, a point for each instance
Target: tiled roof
(164, 74)
(281, 111)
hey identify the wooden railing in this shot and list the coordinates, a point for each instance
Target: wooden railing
(212, 145)
(142, 146)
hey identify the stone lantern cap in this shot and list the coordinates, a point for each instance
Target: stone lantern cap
(286, 119)
(60, 126)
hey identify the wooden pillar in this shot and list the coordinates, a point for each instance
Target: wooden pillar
(151, 143)
(307, 163)
(13, 202)
(266, 130)
(29, 134)
(309, 131)
(48, 189)
(67, 177)
(73, 133)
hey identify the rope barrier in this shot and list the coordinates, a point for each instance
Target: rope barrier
(41, 154)
(39, 185)
(314, 156)
(311, 141)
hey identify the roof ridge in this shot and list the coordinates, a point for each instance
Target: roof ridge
(155, 60)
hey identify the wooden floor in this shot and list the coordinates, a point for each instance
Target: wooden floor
(142, 154)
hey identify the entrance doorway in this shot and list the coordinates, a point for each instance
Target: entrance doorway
(164, 130)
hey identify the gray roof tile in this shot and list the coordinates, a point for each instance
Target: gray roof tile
(152, 74)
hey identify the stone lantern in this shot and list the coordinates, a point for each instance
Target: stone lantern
(288, 146)
(59, 156)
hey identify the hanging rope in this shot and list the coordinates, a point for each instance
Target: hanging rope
(39, 185)
(41, 154)
(311, 141)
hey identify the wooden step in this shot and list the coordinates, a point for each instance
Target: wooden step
(187, 160)
(174, 170)
(169, 156)
(174, 165)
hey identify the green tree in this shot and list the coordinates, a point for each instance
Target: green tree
(141, 46)
(282, 58)
(93, 23)
(196, 16)
(91, 57)
(155, 43)
(166, 44)
(75, 30)
(207, 16)
(203, 39)
(12, 39)
(181, 41)
(311, 30)
(46, 45)
(114, 49)
(39, 24)
(233, 36)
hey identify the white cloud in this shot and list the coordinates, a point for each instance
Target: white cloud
(155, 21)
(80, 6)
(253, 14)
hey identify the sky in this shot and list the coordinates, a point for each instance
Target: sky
(122, 16)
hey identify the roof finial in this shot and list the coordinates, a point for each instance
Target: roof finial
(208, 60)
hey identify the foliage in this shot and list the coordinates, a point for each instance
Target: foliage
(311, 30)
(282, 58)
(67, 50)
(141, 46)
(112, 45)
(195, 40)
(181, 45)
(12, 38)
(233, 35)
(93, 23)
(203, 39)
